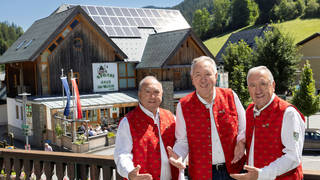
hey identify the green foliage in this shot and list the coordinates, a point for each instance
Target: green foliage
(287, 10)
(237, 61)
(304, 98)
(201, 22)
(111, 134)
(244, 12)
(265, 7)
(312, 9)
(188, 7)
(8, 35)
(58, 130)
(221, 14)
(278, 52)
(81, 139)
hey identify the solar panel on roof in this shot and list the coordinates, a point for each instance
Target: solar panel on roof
(139, 22)
(115, 21)
(155, 13)
(127, 31)
(141, 13)
(92, 10)
(135, 31)
(119, 31)
(85, 9)
(131, 22)
(106, 20)
(125, 12)
(133, 13)
(117, 11)
(109, 11)
(153, 21)
(146, 22)
(98, 20)
(123, 21)
(101, 11)
(148, 13)
(110, 31)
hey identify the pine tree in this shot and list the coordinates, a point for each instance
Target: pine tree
(304, 98)
(237, 61)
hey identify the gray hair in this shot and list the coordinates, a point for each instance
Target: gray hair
(146, 78)
(203, 58)
(260, 68)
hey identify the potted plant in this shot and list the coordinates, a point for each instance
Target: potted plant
(111, 138)
(80, 145)
(58, 133)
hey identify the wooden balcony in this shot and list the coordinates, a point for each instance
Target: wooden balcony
(71, 165)
(59, 164)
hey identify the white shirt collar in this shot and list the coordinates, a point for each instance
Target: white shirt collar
(257, 112)
(150, 114)
(204, 101)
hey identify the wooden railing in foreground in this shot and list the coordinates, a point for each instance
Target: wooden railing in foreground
(60, 164)
(71, 165)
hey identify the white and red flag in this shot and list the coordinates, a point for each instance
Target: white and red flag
(76, 98)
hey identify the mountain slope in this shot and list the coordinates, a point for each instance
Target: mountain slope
(299, 29)
(188, 7)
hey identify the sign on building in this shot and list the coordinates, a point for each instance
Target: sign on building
(105, 77)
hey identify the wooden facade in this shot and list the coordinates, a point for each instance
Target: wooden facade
(76, 47)
(177, 68)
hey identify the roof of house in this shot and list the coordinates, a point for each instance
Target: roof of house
(248, 36)
(162, 46)
(129, 28)
(308, 38)
(41, 33)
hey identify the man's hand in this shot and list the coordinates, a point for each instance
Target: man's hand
(134, 175)
(239, 151)
(174, 159)
(252, 174)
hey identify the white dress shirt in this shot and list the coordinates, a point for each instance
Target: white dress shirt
(292, 123)
(181, 145)
(123, 151)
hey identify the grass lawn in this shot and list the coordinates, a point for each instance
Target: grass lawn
(299, 29)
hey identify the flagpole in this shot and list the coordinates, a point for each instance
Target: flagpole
(74, 111)
(63, 104)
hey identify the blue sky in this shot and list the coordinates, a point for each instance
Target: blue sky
(24, 12)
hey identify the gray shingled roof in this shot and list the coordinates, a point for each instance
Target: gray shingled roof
(42, 32)
(162, 46)
(248, 36)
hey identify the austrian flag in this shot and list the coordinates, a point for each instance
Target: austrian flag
(76, 98)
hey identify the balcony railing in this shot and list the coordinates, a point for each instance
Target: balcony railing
(59, 164)
(70, 165)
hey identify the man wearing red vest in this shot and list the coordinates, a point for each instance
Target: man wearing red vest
(274, 133)
(143, 135)
(210, 127)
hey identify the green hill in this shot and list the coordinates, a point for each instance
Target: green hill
(299, 29)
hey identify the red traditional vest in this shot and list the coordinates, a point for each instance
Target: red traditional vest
(198, 126)
(146, 142)
(267, 134)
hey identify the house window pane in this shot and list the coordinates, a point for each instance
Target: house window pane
(17, 112)
(130, 68)
(131, 83)
(95, 115)
(122, 83)
(21, 110)
(122, 70)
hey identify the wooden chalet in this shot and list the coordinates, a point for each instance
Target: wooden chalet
(123, 44)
